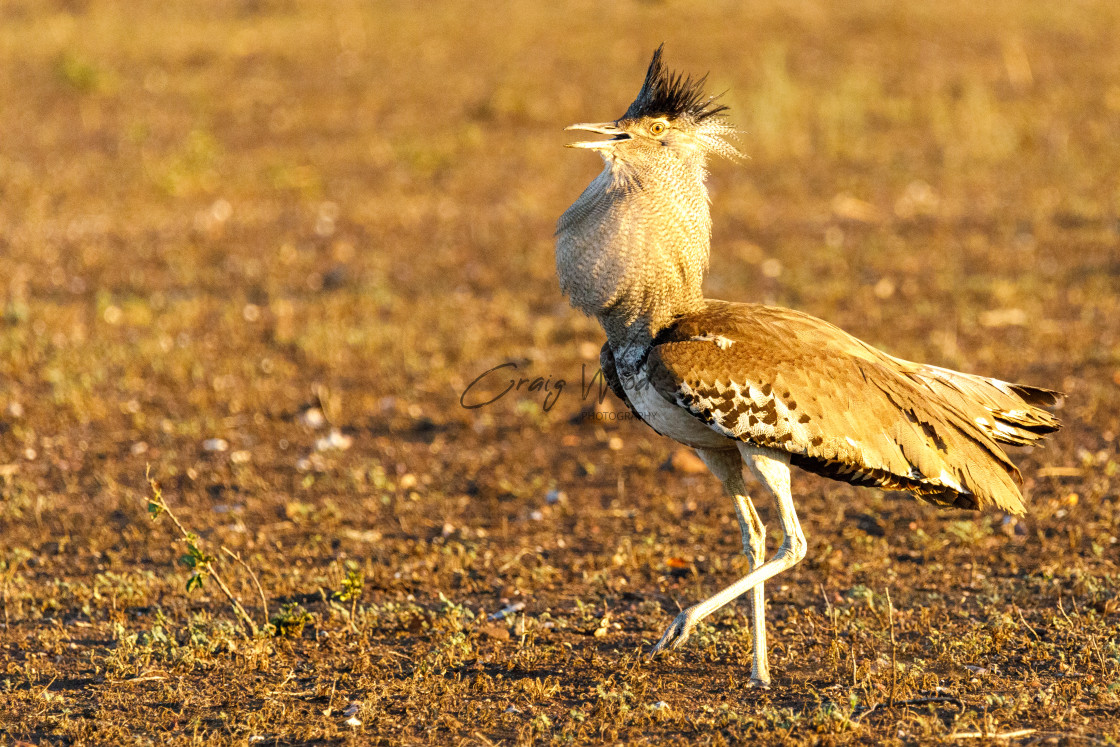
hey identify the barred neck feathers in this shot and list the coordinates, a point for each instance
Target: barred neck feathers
(633, 249)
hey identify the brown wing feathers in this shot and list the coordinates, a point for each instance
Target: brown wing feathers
(843, 409)
(1014, 411)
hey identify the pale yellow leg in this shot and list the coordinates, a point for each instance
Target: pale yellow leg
(754, 546)
(771, 467)
(728, 467)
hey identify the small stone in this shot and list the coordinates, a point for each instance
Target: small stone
(215, 444)
(506, 611)
(335, 440)
(495, 630)
(686, 462)
(771, 268)
(312, 417)
(884, 289)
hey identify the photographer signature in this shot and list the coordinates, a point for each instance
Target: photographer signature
(481, 392)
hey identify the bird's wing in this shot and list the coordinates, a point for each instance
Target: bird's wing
(1015, 413)
(785, 380)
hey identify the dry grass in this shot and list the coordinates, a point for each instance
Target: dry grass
(216, 218)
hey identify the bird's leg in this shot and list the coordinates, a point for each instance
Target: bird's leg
(754, 546)
(772, 469)
(728, 467)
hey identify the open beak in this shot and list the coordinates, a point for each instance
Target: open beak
(603, 128)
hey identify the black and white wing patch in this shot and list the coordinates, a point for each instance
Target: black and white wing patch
(837, 410)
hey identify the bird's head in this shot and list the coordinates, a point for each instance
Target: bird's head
(671, 121)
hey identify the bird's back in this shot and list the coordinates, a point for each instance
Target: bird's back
(843, 409)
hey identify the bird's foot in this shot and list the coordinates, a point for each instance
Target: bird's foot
(761, 683)
(676, 634)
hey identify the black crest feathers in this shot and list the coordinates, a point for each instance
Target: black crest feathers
(672, 95)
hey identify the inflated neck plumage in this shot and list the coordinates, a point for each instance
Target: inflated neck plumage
(632, 251)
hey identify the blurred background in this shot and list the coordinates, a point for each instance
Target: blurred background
(363, 192)
(263, 246)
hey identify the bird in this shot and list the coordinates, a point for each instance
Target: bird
(756, 386)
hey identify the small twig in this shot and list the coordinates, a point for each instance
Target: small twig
(1063, 611)
(291, 675)
(204, 562)
(865, 711)
(209, 567)
(330, 698)
(48, 687)
(290, 694)
(923, 701)
(832, 623)
(398, 654)
(982, 735)
(865, 714)
(1025, 623)
(1081, 737)
(516, 559)
(852, 652)
(256, 581)
(894, 656)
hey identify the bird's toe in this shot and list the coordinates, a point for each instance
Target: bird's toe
(675, 635)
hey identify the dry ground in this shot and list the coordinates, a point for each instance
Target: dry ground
(220, 220)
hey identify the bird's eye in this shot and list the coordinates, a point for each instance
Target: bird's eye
(657, 128)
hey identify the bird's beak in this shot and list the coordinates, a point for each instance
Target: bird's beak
(603, 128)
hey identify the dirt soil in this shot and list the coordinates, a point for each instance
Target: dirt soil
(263, 247)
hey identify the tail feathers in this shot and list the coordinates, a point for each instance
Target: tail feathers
(1011, 413)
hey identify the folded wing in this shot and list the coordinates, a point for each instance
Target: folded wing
(843, 409)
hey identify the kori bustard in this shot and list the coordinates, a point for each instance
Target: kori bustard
(767, 387)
